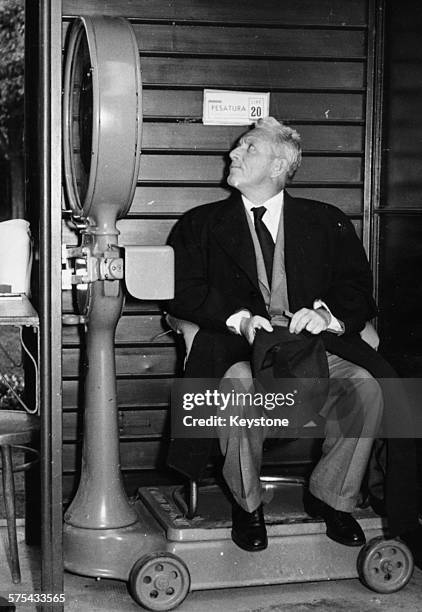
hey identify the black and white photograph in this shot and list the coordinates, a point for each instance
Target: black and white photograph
(210, 295)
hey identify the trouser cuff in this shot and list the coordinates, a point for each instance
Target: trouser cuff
(338, 502)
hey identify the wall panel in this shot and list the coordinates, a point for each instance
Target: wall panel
(341, 13)
(171, 201)
(400, 296)
(322, 106)
(261, 73)
(130, 361)
(132, 329)
(312, 58)
(400, 213)
(197, 40)
(211, 168)
(249, 41)
(193, 136)
(131, 392)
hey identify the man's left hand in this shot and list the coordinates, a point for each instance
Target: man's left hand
(313, 321)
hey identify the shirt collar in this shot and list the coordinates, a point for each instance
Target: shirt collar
(274, 205)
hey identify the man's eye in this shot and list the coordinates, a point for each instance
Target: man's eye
(251, 147)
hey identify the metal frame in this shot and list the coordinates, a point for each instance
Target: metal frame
(378, 139)
(373, 133)
(50, 299)
(43, 125)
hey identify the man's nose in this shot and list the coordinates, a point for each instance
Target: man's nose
(235, 153)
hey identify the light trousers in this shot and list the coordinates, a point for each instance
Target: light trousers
(352, 416)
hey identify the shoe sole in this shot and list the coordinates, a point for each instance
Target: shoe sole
(313, 513)
(345, 542)
(254, 549)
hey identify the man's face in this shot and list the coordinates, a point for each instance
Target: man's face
(252, 161)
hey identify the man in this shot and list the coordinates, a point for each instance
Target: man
(240, 264)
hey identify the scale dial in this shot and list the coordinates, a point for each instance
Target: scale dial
(102, 119)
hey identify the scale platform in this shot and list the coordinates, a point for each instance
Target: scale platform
(298, 547)
(163, 555)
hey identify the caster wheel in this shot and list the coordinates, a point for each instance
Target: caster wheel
(159, 581)
(385, 566)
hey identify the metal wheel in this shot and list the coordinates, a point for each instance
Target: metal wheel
(385, 566)
(159, 581)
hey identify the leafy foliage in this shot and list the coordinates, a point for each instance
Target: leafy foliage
(12, 23)
(11, 384)
(11, 369)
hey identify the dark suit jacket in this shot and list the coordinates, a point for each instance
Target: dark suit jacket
(216, 270)
(216, 276)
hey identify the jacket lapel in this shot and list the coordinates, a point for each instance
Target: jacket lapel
(295, 224)
(304, 256)
(232, 233)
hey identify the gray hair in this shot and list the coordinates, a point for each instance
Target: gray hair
(285, 140)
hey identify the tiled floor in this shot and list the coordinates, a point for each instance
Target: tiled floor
(88, 595)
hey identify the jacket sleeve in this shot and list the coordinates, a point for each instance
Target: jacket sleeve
(349, 295)
(196, 299)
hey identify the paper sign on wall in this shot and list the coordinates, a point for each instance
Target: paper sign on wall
(222, 107)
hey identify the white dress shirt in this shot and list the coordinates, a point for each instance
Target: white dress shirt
(271, 217)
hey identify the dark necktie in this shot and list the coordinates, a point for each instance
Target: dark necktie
(265, 240)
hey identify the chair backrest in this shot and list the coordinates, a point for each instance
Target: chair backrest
(187, 329)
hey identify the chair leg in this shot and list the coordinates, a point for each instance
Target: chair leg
(193, 499)
(9, 502)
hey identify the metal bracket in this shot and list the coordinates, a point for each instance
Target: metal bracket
(76, 221)
(111, 267)
(88, 268)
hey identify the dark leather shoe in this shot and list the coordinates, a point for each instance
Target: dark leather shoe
(341, 526)
(413, 539)
(248, 529)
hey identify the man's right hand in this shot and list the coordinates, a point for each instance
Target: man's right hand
(249, 325)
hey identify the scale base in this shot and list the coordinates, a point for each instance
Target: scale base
(298, 548)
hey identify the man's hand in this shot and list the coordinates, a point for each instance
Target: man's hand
(314, 321)
(249, 325)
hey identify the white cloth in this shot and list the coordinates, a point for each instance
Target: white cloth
(15, 255)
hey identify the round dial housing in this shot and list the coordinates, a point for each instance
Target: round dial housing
(102, 118)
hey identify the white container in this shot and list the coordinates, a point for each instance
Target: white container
(15, 255)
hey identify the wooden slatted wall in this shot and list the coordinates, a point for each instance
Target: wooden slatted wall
(312, 56)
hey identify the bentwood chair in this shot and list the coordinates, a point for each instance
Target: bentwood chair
(18, 432)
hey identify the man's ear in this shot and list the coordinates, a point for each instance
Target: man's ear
(279, 167)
